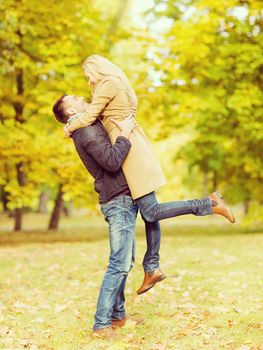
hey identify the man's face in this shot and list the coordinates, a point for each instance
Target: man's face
(74, 104)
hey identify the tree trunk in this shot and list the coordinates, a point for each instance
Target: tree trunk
(19, 107)
(42, 204)
(67, 209)
(19, 211)
(4, 199)
(55, 216)
(246, 203)
(205, 183)
(215, 182)
(18, 219)
(116, 21)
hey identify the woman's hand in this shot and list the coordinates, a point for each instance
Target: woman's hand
(126, 126)
(66, 131)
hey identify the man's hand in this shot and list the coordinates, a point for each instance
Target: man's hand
(126, 126)
(66, 131)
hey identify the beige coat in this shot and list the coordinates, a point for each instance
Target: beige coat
(141, 167)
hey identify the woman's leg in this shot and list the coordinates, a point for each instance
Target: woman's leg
(153, 239)
(152, 271)
(153, 211)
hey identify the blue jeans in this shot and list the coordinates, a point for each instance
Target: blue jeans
(152, 212)
(120, 213)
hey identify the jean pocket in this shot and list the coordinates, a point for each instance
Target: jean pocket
(105, 210)
(109, 211)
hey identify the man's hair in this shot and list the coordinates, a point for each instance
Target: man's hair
(59, 110)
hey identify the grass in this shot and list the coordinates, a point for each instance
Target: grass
(211, 299)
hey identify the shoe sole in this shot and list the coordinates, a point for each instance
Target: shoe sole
(137, 323)
(221, 199)
(113, 336)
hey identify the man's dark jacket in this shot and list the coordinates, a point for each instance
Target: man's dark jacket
(102, 159)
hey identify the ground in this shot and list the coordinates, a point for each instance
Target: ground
(211, 298)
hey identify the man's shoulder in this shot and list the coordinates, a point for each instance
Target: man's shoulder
(89, 132)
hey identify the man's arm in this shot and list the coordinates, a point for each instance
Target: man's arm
(109, 157)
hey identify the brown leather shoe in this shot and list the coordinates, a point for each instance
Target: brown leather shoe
(150, 278)
(221, 208)
(121, 323)
(107, 332)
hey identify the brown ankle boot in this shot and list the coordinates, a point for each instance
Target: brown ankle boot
(107, 333)
(221, 208)
(150, 278)
(121, 323)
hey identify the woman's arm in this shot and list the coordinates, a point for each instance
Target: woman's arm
(103, 94)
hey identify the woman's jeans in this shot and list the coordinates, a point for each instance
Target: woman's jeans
(152, 212)
(120, 213)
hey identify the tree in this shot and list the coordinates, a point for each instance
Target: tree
(40, 60)
(211, 70)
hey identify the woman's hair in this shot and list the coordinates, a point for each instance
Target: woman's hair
(59, 110)
(101, 68)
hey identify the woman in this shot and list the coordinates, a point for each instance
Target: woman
(114, 99)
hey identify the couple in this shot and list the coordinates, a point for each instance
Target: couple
(126, 172)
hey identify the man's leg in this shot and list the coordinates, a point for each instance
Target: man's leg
(120, 213)
(118, 312)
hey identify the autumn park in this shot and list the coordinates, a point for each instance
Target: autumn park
(78, 176)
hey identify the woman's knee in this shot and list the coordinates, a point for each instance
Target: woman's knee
(149, 216)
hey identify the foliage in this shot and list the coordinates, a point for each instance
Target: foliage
(211, 66)
(41, 58)
(196, 68)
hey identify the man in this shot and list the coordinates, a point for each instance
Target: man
(103, 161)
